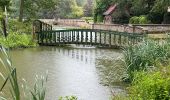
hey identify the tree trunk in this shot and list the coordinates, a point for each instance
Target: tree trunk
(21, 10)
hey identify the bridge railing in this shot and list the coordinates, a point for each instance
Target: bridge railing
(89, 37)
(39, 26)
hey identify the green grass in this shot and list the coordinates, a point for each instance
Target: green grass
(16, 40)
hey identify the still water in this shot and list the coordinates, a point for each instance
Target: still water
(72, 71)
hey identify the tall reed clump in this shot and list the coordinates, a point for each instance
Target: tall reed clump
(145, 56)
(9, 75)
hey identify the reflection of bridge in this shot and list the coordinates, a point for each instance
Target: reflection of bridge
(101, 38)
(86, 56)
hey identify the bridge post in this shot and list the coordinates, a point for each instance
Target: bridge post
(115, 38)
(110, 39)
(96, 37)
(77, 37)
(59, 37)
(120, 38)
(100, 37)
(104, 38)
(81, 32)
(86, 37)
(73, 36)
(91, 37)
(41, 32)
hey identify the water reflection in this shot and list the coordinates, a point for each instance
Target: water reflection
(86, 56)
(72, 71)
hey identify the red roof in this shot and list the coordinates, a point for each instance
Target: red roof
(110, 9)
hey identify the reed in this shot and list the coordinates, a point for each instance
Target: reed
(145, 56)
(9, 75)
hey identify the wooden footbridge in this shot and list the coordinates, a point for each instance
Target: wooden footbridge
(46, 36)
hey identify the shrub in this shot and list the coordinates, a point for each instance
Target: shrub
(151, 85)
(88, 19)
(139, 20)
(134, 20)
(14, 40)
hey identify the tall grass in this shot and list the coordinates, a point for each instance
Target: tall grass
(16, 40)
(145, 56)
(9, 74)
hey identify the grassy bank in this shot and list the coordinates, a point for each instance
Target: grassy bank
(19, 35)
(145, 69)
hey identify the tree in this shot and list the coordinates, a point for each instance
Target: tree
(81, 2)
(101, 6)
(141, 7)
(21, 9)
(158, 13)
(4, 3)
(88, 8)
(68, 9)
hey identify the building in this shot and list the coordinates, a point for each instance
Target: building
(108, 14)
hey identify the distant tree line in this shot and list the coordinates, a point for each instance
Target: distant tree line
(135, 11)
(33, 9)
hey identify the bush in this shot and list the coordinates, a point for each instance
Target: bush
(17, 40)
(151, 85)
(134, 20)
(88, 19)
(139, 20)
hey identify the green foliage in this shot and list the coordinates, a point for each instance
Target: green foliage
(20, 27)
(145, 56)
(156, 10)
(15, 40)
(139, 20)
(68, 98)
(101, 6)
(151, 85)
(76, 12)
(134, 20)
(68, 9)
(4, 3)
(88, 19)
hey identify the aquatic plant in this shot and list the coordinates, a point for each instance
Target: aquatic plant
(145, 56)
(9, 75)
(68, 98)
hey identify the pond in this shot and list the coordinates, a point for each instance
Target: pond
(72, 71)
